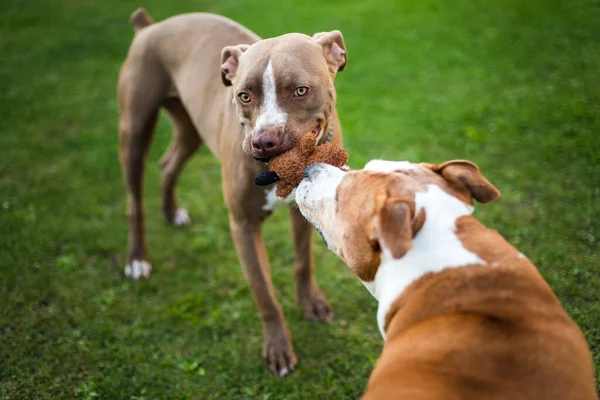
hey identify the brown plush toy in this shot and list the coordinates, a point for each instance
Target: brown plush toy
(288, 168)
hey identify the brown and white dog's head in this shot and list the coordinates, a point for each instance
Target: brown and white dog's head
(372, 215)
(283, 87)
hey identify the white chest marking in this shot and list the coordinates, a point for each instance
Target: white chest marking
(435, 248)
(270, 114)
(273, 202)
(389, 166)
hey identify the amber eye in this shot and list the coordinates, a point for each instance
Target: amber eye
(244, 97)
(301, 91)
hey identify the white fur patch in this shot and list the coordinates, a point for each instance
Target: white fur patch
(315, 197)
(389, 166)
(138, 269)
(182, 217)
(435, 248)
(270, 114)
(324, 186)
(273, 202)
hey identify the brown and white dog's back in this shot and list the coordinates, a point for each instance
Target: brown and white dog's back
(464, 314)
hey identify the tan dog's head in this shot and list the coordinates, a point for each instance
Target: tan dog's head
(362, 214)
(283, 87)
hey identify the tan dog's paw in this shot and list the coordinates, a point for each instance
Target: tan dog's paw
(181, 217)
(138, 269)
(279, 355)
(315, 306)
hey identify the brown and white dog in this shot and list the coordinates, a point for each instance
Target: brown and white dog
(247, 99)
(464, 314)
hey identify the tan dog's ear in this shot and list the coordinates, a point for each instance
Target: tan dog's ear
(334, 49)
(466, 175)
(230, 59)
(395, 228)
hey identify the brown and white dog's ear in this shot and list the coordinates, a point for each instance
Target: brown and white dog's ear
(363, 255)
(466, 175)
(395, 227)
(230, 59)
(334, 49)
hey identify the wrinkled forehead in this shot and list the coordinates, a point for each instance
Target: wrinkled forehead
(285, 54)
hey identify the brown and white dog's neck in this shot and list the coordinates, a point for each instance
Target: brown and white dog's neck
(436, 247)
(461, 288)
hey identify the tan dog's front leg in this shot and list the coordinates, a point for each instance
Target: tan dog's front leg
(311, 298)
(252, 253)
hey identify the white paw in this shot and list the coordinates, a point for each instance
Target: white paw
(182, 217)
(138, 269)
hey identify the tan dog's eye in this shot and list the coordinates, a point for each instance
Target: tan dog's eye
(244, 97)
(301, 91)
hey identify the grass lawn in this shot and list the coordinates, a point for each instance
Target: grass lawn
(513, 85)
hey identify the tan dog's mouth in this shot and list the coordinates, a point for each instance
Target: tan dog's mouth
(317, 129)
(264, 160)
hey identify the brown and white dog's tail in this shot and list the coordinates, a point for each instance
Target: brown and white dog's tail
(140, 19)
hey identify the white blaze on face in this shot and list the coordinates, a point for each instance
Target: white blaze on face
(270, 114)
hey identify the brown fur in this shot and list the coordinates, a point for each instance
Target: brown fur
(362, 195)
(495, 332)
(245, 67)
(290, 165)
(175, 65)
(491, 331)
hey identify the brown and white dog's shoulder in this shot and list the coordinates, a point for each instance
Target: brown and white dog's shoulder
(464, 314)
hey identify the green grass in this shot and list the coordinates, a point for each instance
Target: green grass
(512, 85)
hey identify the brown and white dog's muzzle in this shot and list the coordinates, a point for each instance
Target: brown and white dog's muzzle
(315, 197)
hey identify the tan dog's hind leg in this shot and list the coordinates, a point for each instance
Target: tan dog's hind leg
(311, 298)
(184, 144)
(140, 95)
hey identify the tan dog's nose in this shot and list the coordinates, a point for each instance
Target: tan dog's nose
(267, 144)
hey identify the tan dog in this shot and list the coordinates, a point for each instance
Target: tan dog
(464, 314)
(246, 99)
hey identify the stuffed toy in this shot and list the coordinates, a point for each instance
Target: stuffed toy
(288, 168)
